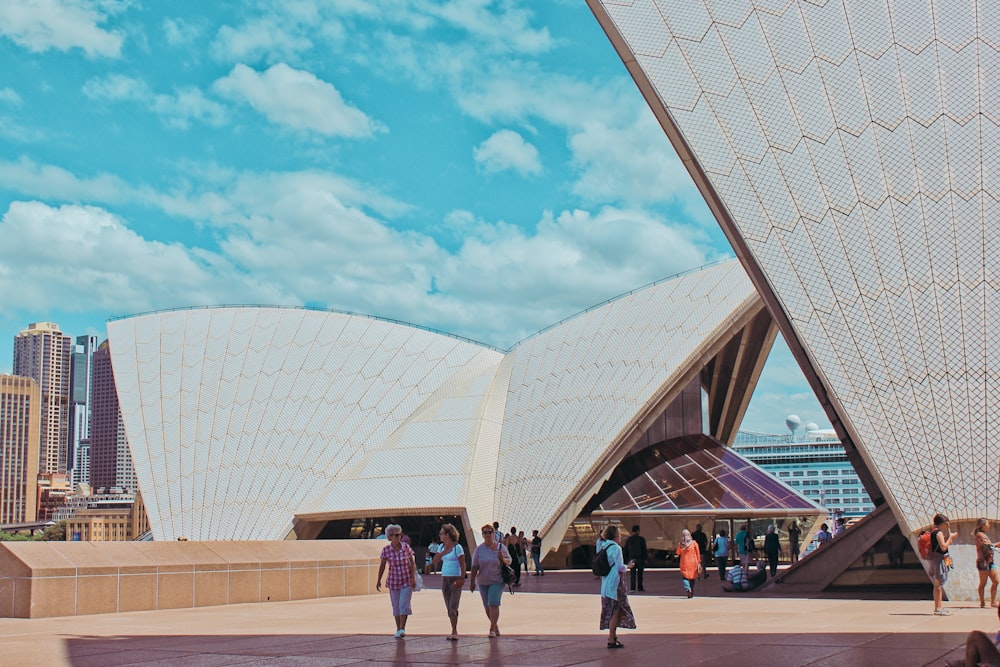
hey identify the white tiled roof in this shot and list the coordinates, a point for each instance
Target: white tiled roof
(241, 418)
(855, 146)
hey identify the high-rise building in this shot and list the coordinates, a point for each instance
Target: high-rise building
(110, 460)
(42, 352)
(20, 417)
(80, 381)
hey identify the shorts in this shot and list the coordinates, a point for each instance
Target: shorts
(401, 600)
(491, 594)
(938, 570)
(983, 567)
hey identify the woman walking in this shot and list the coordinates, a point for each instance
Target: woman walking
(451, 558)
(690, 560)
(772, 549)
(486, 571)
(402, 576)
(984, 562)
(615, 610)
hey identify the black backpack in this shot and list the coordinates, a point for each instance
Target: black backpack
(601, 565)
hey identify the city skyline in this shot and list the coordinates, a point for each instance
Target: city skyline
(479, 169)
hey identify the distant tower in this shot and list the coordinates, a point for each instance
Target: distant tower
(793, 422)
(20, 419)
(80, 381)
(42, 352)
(110, 458)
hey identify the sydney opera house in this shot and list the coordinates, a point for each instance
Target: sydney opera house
(268, 423)
(847, 149)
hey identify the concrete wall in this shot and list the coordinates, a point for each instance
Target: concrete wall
(40, 579)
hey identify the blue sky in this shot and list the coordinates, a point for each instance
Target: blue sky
(480, 167)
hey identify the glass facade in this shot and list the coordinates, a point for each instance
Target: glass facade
(680, 484)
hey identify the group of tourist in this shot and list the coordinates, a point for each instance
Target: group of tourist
(449, 558)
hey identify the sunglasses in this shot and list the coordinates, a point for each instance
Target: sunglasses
(487, 532)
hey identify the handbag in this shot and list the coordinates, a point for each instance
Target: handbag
(507, 573)
(419, 585)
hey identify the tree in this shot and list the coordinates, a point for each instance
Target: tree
(56, 533)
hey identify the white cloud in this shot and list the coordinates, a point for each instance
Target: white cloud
(630, 162)
(9, 96)
(78, 258)
(502, 27)
(179, 32)
(178, 109)
(316, 237)
(507, 150)
(50, 182)
(296, 99)
(60, 24)
(270, 39)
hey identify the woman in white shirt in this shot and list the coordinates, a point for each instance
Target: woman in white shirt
(451, 558)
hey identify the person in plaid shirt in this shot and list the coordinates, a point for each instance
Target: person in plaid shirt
(402, 576)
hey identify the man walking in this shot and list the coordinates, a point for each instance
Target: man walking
(635, 550)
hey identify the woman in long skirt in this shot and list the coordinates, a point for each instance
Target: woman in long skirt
(615, 610)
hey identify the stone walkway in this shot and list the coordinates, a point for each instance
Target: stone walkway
(550, 621)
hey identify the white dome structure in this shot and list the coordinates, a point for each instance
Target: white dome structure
(245, 420)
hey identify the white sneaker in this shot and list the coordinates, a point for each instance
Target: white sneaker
(942, 612)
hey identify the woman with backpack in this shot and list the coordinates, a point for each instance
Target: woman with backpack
(940, 560)
(615, 610)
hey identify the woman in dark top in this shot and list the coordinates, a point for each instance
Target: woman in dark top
(940, 561)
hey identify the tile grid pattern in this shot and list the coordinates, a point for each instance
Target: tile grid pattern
(855, 146)
(241, 418)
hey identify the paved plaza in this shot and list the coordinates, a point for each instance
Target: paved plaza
(551, 620)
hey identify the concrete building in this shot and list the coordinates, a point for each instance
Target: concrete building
(110, 458)
(20, 419)
(104, 517)
(53, 490)
(846, 150)
(42, 352)
(80, 381)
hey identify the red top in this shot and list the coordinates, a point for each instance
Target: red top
(399, 565)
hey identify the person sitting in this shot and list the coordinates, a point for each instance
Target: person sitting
(980, 650)
(757, 579)
(736, 580)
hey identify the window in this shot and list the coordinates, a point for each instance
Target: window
(797, 473)
(813, 473)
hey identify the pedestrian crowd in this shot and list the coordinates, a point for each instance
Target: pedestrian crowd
(501, 559)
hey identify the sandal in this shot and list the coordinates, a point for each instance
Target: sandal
(616, 644)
